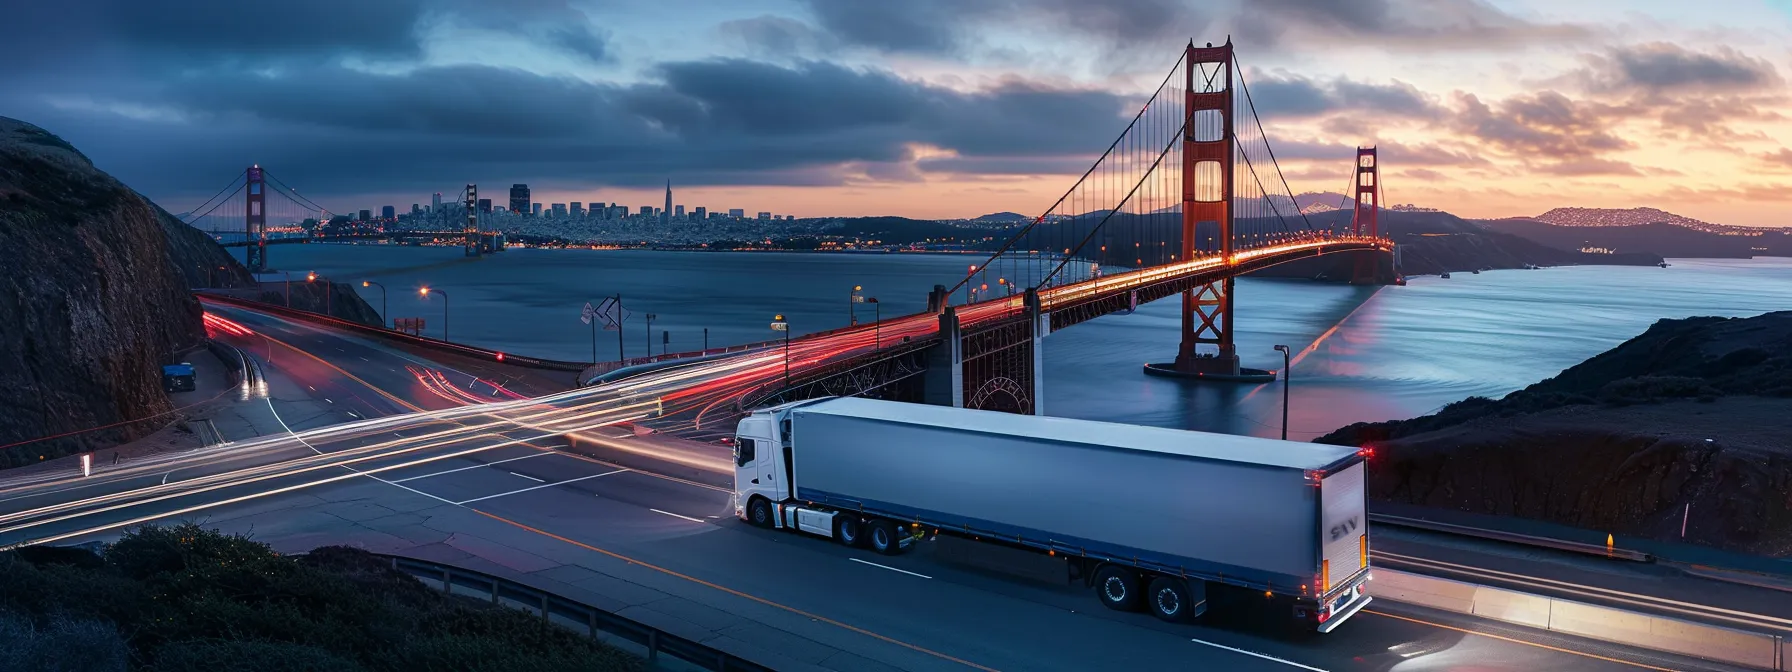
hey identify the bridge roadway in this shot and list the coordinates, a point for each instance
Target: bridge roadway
(555, 489)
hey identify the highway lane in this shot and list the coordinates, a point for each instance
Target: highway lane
(683, 529)
(639, 505)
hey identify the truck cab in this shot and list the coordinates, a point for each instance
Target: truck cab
(762, 464)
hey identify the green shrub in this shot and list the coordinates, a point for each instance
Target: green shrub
(59, 644)
(227, 655)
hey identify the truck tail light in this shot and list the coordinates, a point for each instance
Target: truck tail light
(1325, 576)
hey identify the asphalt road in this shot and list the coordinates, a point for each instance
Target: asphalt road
(494, 482)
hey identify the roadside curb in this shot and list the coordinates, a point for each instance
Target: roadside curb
(1656, 633)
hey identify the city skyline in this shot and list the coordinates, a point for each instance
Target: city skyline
(921, 110)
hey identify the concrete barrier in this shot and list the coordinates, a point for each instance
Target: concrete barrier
(1644, 631)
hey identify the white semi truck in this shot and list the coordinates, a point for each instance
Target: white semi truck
(1148, 517)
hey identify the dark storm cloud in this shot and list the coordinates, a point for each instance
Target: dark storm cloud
(950, 26)
(1299, 97)
(1395, 24)
(716, 122)
(1668, 68)
(199, 31)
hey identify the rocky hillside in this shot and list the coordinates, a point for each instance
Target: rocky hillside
(1692, 412)
(91, 302)
(1432, 243)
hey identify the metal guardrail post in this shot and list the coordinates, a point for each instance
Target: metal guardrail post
(494, 590)
(544, 609)
(447, 579)
(653, 646)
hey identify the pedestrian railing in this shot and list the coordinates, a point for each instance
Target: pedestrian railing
(662, 649)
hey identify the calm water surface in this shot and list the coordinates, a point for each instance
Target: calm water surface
(1362, 353)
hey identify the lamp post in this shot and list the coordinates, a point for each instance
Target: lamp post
(424, 292)
(877, 322)
(650, 317)
(312, 277)
(780, 324)
(851, 310)
(968, 286)
(288, 287)
(1285, 372)
(383, 313)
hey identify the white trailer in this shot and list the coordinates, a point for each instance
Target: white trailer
(1148, 516)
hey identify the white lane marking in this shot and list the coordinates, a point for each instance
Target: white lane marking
(294, 434)
(476, 466)
(396, 485)
(1259, 655)
(328, 399)
(893, 569)
(352, 414)
(313, 389)
(674, 515)
(532, 478)
(364, 359)
(538, 487)
(165, 477)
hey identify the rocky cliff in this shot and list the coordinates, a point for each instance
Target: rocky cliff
(1690, 421)
(92, 302)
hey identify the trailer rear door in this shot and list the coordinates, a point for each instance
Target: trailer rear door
(1344, 537)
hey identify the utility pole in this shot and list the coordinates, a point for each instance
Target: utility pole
(1286, 372)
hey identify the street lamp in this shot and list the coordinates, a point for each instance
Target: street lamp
(968, 287)
(650, 317)
(877, 322)
(851, 310)
(424, 292)
(1285, 372)
(312, 277)
(780, 324)
(383, 313)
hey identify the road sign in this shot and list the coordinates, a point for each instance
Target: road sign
(612, 314)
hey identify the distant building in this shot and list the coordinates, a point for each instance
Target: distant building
(519, 198)
(388, 212)
(366, 215)
(416, 209)
(737, 213)
(700, 214)
(535, 209)
(576, 209)
(485, 205)
(678, 212)
(664, 212)
(764, 216)
(620, 210)
(435, 203)
(646, 211)
(559, 210)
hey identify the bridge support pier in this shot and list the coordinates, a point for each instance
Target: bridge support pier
(943, 384)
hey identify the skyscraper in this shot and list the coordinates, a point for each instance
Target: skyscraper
(737, 213)
(416, 209)
(700, 213)
(666, 212)
(366, 215)
(519, 198)
(559, 210)
(388, 212)
(435, 204)
(576, 209)
(535, 209)
(485, 205)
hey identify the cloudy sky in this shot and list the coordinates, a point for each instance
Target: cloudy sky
(925, 108)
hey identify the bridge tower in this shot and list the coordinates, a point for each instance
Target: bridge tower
(1365, 218)
(256, 221)
(472, 229)
(1208, 151)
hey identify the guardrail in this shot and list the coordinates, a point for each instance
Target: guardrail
(600, 624)
(593, 371)
(1760, 650)
(1514, 537)
(381, 332)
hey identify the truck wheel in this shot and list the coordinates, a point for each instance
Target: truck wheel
(759, 512)
(849, 531)
(1168, 599)
(1118, 588)
(881, 534)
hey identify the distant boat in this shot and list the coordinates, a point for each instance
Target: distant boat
(1445, 276)
(1400, 280)
(1665, 264)
(1476, 271)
